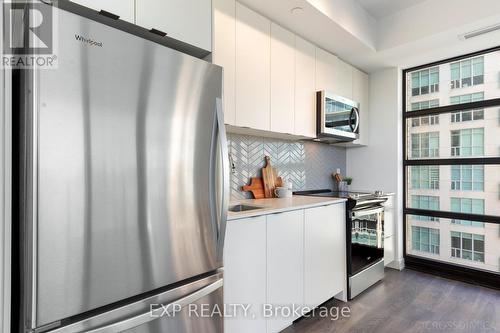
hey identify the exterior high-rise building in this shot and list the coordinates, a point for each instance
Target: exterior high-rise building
(471, 189)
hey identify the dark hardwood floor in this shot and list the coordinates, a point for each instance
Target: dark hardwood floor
(410, 301)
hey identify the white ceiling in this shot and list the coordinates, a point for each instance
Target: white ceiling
(382, 8)
(409, 32)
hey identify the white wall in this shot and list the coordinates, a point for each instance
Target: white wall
(378, 166)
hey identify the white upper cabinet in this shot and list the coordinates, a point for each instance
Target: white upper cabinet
(325, 70)
(342, 80)
(305, 88)
(282, 79)
(271, 75)
(224, 52)
(122, 8)
(189, 21)
(253, 69)
(360, 94)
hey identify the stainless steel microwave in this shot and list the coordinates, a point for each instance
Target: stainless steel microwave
(337, 118)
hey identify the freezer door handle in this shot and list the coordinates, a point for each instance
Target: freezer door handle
(162, 311)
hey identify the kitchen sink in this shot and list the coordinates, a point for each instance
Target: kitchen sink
(243, 208)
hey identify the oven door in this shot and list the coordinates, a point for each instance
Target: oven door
(366, 238)
(368, 227)
(338, 116)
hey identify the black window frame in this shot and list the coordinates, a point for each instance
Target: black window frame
(458, 272)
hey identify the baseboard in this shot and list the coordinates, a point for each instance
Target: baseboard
(397, 264)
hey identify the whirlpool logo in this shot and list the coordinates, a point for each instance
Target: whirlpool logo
(88, 41)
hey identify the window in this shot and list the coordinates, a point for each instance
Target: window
(425, 177)
(467, 177)
(427, 120)
(425, 239)
(424, 105)
(425, 202)
(425, 144)
(451, 166)
(470, 206)
(467, 246)
(467, 115)
(466, 73)
(425, 81)
(467, 142)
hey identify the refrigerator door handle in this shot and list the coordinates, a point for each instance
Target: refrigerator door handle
(162, 311)
(221, 219)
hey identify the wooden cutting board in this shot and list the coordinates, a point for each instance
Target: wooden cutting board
(256, 187)
(269, 177)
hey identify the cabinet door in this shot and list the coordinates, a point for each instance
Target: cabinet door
(360, 93)
(253, 68)
(122, 8)
(325, 70)
(342, 82)
(282, 79)
(389, 234)
(305, 91)
(224, 52)
(324, 253)
(189, 21)
(285, 240)
(245, 273)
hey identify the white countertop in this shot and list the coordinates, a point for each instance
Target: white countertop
(279, 205)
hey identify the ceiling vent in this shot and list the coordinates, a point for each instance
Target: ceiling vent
(479, 32)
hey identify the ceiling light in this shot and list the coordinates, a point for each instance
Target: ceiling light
(479, 32)
(296, 10)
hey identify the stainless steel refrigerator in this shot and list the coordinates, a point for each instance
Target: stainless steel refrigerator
(122, 184)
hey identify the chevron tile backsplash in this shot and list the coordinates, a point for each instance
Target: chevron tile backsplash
(308, 165)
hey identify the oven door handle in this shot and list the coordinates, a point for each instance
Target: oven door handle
(371, 202)
(364, 212)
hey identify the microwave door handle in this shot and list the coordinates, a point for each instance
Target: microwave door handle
(350, 120)
(356, 112)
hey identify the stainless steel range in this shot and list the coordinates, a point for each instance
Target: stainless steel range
(364, 239)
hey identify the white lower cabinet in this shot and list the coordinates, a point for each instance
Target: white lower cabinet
(245, 273)
(389, 225)
(324, 253)
(276, 262)
(285, 262)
